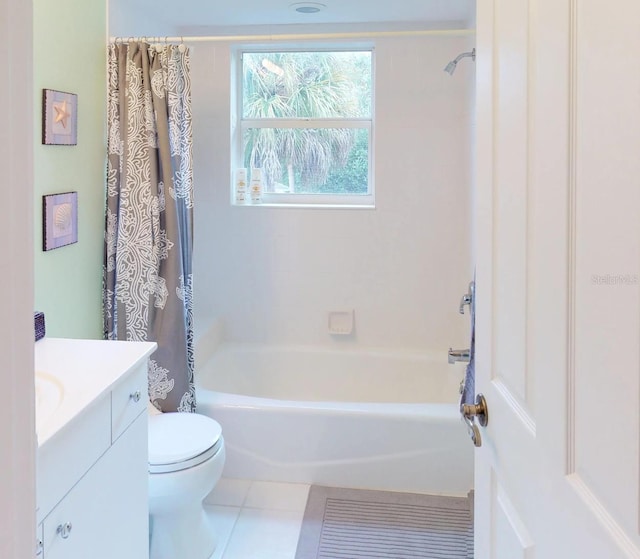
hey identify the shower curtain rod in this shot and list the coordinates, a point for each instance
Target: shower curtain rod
(296, 36)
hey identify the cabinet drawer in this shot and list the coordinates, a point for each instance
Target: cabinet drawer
(128, 400)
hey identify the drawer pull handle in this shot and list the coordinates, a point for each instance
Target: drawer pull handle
(64, 530)
(39, 548)
(135, 396)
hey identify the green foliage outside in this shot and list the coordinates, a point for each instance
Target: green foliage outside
(353, 177)
(308, 85)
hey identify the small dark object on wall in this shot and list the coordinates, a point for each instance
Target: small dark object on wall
(38, 319)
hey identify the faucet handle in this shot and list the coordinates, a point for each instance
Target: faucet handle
(466, 300)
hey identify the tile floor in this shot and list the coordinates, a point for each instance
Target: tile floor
(256, 519)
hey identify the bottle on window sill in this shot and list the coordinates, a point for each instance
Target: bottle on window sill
(256, 186)
(241, 185)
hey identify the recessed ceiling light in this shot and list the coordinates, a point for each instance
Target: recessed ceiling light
(307, 7)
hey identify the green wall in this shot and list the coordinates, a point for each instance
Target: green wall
(70, 55)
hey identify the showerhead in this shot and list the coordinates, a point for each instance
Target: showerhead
(451, 67)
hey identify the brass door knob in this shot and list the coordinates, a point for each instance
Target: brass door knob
(470, 412)
(478, 410)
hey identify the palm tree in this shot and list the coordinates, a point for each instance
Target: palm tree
(292, 86)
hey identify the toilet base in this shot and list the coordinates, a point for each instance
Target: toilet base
(178, 525)
(185, 532)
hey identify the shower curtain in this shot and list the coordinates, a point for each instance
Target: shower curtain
(147, 292)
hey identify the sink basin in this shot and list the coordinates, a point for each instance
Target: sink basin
(49, 396)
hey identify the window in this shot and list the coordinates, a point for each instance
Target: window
(306, 122)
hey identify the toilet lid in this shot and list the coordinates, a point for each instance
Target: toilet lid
(179, 437)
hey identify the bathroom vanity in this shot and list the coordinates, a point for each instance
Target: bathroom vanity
(92, 467)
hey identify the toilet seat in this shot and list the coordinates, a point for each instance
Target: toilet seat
(178, 441)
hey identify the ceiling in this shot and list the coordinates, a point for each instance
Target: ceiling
(196, 17)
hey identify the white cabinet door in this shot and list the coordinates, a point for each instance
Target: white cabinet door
(558, 295)
(108, 508)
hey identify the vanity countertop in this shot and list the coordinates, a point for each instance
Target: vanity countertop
(71, 374)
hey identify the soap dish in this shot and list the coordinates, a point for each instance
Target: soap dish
(341, 322)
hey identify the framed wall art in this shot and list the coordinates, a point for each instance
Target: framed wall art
(59, 220)
(59, 118)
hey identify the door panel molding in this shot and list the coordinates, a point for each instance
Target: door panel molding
(511, 536)
(602, 515)
(515, 403)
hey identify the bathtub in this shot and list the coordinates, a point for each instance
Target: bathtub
(373, 420)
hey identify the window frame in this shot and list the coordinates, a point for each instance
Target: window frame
(240, 124)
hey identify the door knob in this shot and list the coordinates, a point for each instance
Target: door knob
(470, 412)
(479, 410)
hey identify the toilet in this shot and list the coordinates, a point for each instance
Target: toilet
(186, 457)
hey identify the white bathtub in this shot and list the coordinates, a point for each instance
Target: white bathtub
(372, 420)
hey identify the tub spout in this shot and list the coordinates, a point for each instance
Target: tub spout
(456, 355)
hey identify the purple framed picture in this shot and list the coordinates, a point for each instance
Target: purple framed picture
(59, 118)
(59, 220)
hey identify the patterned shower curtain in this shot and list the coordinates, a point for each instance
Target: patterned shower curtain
(147, 291)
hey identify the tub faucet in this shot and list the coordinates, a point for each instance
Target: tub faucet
(456, 355)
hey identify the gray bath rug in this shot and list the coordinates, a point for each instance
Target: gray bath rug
(354, 523)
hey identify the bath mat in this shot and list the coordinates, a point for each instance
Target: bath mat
(353, 523)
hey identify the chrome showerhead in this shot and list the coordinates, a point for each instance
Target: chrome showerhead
(451, 67)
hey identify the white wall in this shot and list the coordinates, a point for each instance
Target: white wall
(272, 274)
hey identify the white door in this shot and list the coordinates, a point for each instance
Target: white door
(558, 294)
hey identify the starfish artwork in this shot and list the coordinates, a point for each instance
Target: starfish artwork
(62, 113)
(59, 117)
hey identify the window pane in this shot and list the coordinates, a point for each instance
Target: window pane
(306, 85)
(309, 160)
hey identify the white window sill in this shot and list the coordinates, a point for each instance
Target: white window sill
(309, 206)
